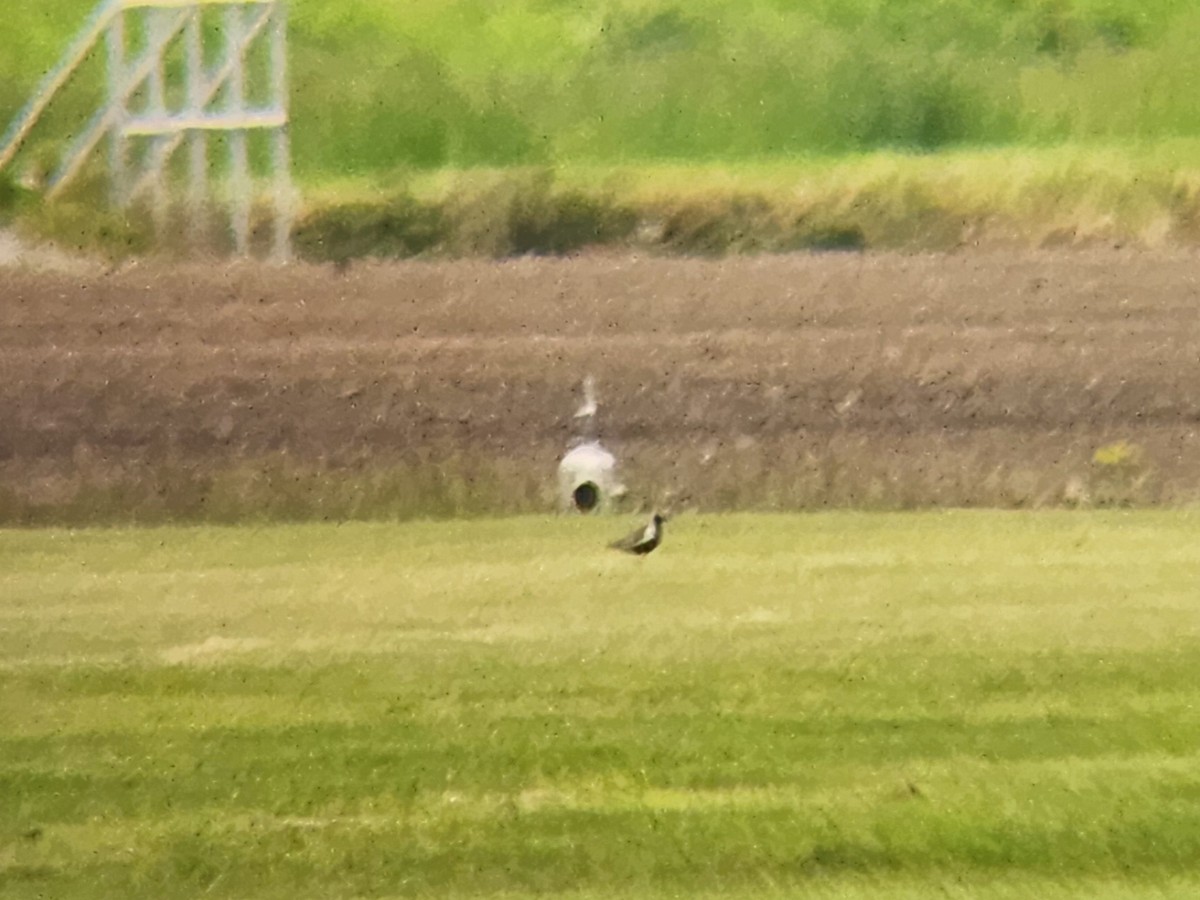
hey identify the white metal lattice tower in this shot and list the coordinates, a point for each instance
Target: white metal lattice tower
(175, 75)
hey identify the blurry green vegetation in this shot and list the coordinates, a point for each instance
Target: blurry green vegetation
(1070, 195)
(469, 82)
(389, 98)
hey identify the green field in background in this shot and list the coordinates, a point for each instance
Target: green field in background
(980, 704)
(380, 87)
(476, 128)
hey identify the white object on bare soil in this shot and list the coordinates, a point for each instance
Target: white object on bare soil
(17, 253)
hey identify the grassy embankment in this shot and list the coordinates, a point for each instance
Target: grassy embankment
(478, 128)
(834, 705)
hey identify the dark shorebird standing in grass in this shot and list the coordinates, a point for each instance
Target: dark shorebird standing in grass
(644, 539)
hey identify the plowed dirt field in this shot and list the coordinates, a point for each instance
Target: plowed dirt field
(781, 381)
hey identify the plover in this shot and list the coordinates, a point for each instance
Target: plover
(644, 539)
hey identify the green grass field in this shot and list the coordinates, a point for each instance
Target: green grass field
(974, 704)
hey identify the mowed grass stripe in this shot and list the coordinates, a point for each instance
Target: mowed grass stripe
(838, 704)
